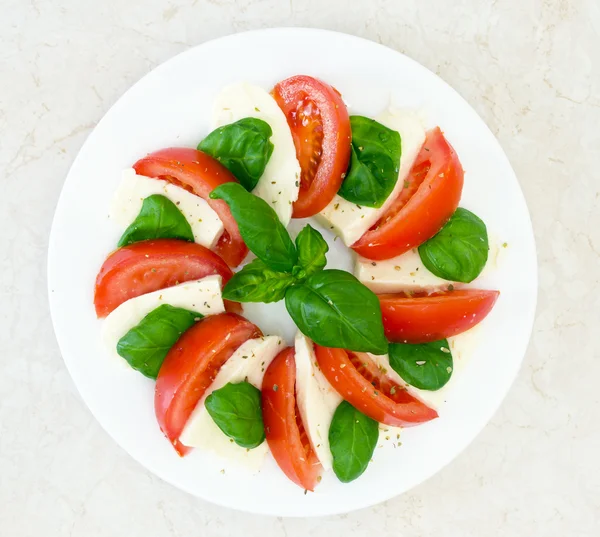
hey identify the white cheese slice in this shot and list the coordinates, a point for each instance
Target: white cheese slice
(405, 272)
(350, 221)
(461, 346)
(133, 189)
(202, 296)
(279, 184)
(249, 363)
(317, 400)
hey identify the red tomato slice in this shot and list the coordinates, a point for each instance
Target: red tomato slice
(434, 188)
(320, 127)
(192, 365)
(200, 174)
(148, 266)
(358, 379)
(233, 307)
(423, 318)
(284, 430)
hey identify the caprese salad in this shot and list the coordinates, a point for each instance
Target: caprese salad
(374, 348)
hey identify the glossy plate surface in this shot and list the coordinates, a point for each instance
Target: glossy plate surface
(172, 106)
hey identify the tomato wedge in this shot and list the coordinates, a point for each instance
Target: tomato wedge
(423, 318)
(320, 125)
(191, 366)
(433, 191)
(284, 430)
(148, 266)
(358, 379)
(200, 174)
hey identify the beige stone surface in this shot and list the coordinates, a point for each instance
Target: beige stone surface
(531, 68)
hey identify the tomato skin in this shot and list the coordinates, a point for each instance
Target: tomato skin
(191, 366)
(284, 431)
(358, 380)
(419, 319)
(434, 188)
(148, 266)
(320, 125)
(233, 307)
(200, 174)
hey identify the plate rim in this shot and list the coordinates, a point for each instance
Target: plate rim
(467, 439)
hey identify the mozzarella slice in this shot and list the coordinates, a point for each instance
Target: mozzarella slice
(127, 203)
(317, 400)
(202, 296)
(280, 182)
(351, 221)
(461, 346)
(405, 272)
(248, 362)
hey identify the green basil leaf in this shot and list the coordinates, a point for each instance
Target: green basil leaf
(311, 248)
(374, 163)
(236, 409)
(159, 218)
(427, 366)
(146, 345)
(460, 249)
(352, 439)
(257, 283)
(259, 226)
(335, 310)
(242, 147)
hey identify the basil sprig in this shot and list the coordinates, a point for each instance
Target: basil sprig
(256, 282)
(236, 409)
(335, 310)
(352, 439)
(329, 306)
(427, 366)
(374, 163)
(159, 218)
(312, 248)
(280, 263)
(146, 345)
(459, 251)
(243, 147)
(259, 226)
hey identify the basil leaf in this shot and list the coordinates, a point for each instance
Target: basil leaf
(311, 248)
(352, 439)
(159, 218)
(146, 345)
(427, 366)
(335, 310)
(374, 163)
(236, 409)
(460, 249)
(242, 147)
(257, 283)
(259, 226)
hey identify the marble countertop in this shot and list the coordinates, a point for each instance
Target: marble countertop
(529, 67)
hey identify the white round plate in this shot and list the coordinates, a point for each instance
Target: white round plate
(172, 106)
